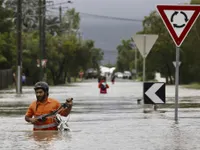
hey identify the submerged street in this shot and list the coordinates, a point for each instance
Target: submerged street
(61, 53)
(103, 122)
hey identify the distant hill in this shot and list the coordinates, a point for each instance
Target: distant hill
(108, 34)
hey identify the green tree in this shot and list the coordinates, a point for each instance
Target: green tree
(190, 70)
(7, 40)
(66, 54)
(53, 25)
(29, 13)
(7, 51)
(6, 18)
(66, 57)
(30, 55)
(126, 55)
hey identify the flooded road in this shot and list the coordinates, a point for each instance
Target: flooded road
(103, 122)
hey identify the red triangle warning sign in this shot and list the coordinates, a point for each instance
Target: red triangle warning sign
(178, 20)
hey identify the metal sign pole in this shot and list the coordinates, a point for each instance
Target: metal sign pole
(144, 58)
(144, 68)
(177, 83)
(136, 63)
(144, 62)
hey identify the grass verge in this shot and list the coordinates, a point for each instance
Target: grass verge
(192, 86)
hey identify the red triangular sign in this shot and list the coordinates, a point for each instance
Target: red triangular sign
(178, 20)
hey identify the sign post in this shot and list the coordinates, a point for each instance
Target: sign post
(177, 83)
(177, 65)
(144, 60)
(144, 43)
(178, 20)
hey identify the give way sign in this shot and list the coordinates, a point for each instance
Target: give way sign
(178, 20)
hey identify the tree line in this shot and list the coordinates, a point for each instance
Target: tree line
(66, 52)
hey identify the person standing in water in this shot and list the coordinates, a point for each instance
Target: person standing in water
(103, 86)
(45, 105)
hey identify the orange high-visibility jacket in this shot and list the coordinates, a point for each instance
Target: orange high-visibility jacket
(37, 109)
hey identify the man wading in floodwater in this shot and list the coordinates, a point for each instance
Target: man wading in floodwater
(43, 106)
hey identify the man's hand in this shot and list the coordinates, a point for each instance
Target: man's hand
(33, 120)
(69, 102)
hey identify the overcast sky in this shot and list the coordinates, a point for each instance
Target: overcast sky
(121, 8)
(106, 33)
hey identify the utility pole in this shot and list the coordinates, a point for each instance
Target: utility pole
(44, 38)
(40, 38)
(60, 15)
(19, 46)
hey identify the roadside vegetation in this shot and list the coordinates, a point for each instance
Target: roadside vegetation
(192, 86)
(67, 53)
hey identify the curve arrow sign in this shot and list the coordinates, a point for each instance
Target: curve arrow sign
(155, 92)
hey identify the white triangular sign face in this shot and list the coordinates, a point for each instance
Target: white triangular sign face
(178, 20)
(174, 63)
(145, 42)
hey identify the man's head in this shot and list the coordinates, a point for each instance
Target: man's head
(41, 90)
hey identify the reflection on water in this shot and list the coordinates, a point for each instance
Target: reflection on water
(47, 140)
(45, 135)
(177, 138)
(31, 140)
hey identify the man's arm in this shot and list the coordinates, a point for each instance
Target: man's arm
(29, 114)
(66, 111)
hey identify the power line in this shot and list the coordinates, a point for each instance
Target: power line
(106, 17)
(110, 17)
(58, 7)
(49, 5)
(55, 4)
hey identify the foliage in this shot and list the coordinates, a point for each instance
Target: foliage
(66, 53)
(29, 13)
(7, 51)
(125, 56)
